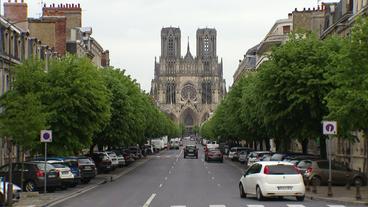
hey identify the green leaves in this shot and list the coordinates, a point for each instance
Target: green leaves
(83, 106)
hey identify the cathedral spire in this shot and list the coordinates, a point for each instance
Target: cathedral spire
(188, 49)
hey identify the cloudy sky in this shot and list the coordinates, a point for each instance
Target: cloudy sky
(130, 29)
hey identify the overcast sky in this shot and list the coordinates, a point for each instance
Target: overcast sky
(130, 29)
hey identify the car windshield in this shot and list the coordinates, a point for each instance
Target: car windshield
(282, 170)
(59, 165)
(84, 161)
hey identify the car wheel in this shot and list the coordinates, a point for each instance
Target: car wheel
(259, 194)
(241, 190)
(316, 181)
(358, 180)
(30, 186)
(300, 198)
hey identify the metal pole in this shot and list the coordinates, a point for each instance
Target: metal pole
(45, 182)
(329, 193)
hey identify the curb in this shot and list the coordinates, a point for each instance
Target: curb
(312, 197)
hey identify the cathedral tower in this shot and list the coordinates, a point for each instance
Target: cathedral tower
(188, 88)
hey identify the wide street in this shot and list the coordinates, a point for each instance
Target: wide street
(169, 180)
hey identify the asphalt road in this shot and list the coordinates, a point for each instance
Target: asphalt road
(169, 180)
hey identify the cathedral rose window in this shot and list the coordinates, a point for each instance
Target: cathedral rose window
(188, 92)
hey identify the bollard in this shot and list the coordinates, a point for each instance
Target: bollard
(307, 187)
(314, 186)
(358, 196)
(111, 179)
(348, 183)
(329, 191)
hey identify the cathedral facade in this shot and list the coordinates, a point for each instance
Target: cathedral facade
(188, 88)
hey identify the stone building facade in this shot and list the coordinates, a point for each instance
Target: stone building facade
(188, 88)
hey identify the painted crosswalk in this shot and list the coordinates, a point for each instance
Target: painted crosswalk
(258, 205)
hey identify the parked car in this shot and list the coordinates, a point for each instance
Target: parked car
(102, 162)
(235, 151)
(33, 175)
(16, 191)
(84, 165)
(298, 158)
(317, 171)
(243, 157)
(136, 152)
(114, 159)
(256, 156)
(191, 151)
(213, 154)
(269, 179)
(286, 156)
(128, 156)
(266, 157)
(65, 174)
(120, 157)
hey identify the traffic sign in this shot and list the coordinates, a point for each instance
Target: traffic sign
(329, 127)
(46, 136)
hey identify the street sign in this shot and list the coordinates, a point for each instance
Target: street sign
(329, 127)
(46, 136)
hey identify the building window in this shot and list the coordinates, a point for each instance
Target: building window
(206, 45)
(170, 93)
(286, 29)
(206, 66)
(170, 48)
(206, 93)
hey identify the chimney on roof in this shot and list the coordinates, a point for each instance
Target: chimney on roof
(16, 11)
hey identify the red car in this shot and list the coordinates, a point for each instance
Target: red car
(213, 154)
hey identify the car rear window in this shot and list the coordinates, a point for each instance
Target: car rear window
(282, 170)
(58, 165)
(84, 161)
(41, 166)
(190, 147)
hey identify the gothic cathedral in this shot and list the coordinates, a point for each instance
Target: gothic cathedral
(188, 88)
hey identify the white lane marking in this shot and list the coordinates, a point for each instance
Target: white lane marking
(217, 206)
(178, 206)
(150, 199)
(160, 186)
(213, 178)
(255, 205)
(169, 171)
(165, 178)
(336, 205)
(293, 205)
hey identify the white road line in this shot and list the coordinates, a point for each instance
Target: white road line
(213, 178)
(150, 199)
(217, 206)
(160, 186)
(336, 205)
(165, 178)
(255, 205)
(169, 171)
(295, 205)
(178, 206)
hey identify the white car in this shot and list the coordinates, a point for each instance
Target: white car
(271, 178)
(16, 190)
(65, 174)
(114, 159)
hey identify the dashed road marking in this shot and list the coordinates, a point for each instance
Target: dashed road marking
(150, 199)
(336, 205)
(213, 178)
(294, 205)
(160, 186)
(255, 205)
(165, 178)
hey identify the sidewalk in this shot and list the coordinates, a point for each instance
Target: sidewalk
(35, 199)
(340, 195)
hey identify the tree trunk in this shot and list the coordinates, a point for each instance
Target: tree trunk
(278, 145)
(322, 146)
(268, 146)
(22, 174)
(305, 143)
(365, 162)
(91, 149)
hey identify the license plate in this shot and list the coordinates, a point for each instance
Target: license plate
(64, 173)
(87, 168)
(284, 187)
(52, 176)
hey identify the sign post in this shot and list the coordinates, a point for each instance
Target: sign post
(329, 128)
(46, 137)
